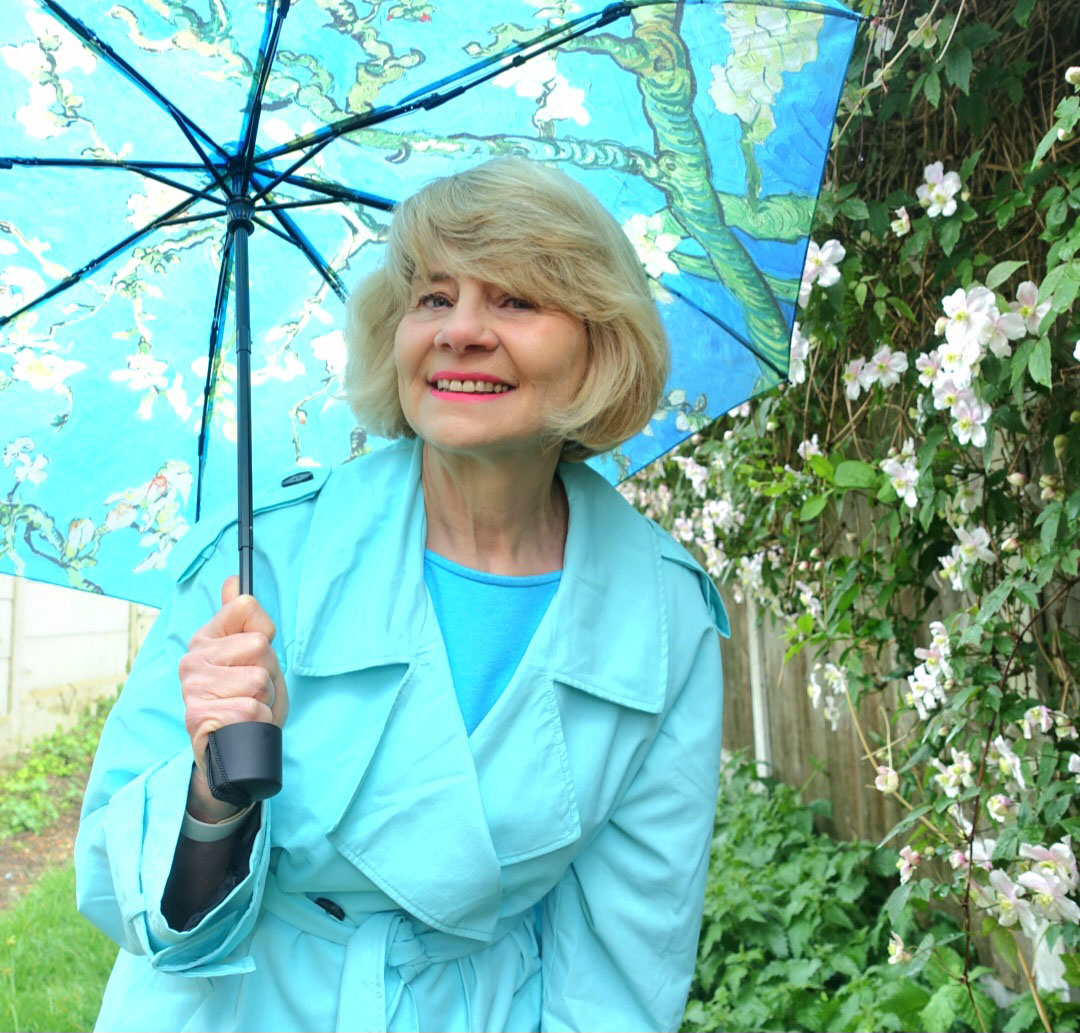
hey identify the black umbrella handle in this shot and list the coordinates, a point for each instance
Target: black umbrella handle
(243, 761)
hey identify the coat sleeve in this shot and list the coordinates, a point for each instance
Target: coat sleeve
(619, 931)
(135, 802)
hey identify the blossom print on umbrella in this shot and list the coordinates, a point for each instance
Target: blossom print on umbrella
(701, 126)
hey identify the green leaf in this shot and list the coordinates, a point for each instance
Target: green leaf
(1022, 12)
(1039, 363)
(822, 467)
(1001, 272)
(854, 208)
(813, 506)
(853, 473)
(941, 1009)
(958, 66)
(994, 601)
(949, 234)
(1048, 534)
(932, 88)
(1020, 362)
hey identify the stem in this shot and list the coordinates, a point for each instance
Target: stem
(1031, 985)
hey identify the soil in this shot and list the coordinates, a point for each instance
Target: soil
(24, 857)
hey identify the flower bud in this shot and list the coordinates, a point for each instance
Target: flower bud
(939, 326)
(1074, 416)
(1063, 134)
(803, 565)
(1010, 544)
(1072, 75)
(771, 425)
(1061, 445)
(1017, 479)
(965, 195)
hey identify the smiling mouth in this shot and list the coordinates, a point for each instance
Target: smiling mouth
(478, 387)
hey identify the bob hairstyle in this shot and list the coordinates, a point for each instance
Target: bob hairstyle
(532, 231)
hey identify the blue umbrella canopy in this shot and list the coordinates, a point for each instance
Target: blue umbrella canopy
(702, 126)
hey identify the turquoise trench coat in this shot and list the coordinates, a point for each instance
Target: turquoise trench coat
(546, 872)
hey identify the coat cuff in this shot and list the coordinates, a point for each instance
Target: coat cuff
(142, 825)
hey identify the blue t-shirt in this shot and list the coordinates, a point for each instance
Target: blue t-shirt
(487, 622)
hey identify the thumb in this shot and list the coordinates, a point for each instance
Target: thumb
(230, 589)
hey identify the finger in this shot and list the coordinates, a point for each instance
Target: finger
(203, 684)
(230, 589)
(243, 649)
(202, 722)
(242, 613)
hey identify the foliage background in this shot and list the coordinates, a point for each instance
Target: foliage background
(917, 538)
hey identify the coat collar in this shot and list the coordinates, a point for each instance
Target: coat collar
(363, 598)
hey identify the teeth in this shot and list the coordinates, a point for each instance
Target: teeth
(480, 387)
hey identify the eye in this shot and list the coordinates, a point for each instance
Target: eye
(432, 301)
(520, 304)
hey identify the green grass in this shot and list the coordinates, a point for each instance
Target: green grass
(53, 962)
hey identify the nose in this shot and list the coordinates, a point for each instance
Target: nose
(465, 326)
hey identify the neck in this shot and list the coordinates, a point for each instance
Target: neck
(502, 515)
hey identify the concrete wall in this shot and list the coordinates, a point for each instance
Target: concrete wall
(59, 649)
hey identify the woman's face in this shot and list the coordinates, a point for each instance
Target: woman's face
(479, 370)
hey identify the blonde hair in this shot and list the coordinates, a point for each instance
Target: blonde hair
(530, 230)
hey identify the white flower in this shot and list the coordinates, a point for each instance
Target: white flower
(683, 529)
(809, 448)
(975, 545)
(1008, 899)
(883, 38)
(888, 365)
(1076, 351)
(937, 194)
(1004, 327)
(1072, 75)
(820, 267)
(929, 366)
(909, 860)
(903, 476)
(947, 392)
(850, 378)
(800, 349)
(1038, 715)
(901, 225)
(953, 568)
(1048, 897)
(969, 421)
(809, 600)
(813, 690)
(969, 324)
(897, 952)
(832, 712)
(1028, 307)
(1057, 861)
(1001, 807)
(653, 246)
(924, 34)
(887, 781)
(969, 496)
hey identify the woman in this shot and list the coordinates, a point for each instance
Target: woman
(503, 685)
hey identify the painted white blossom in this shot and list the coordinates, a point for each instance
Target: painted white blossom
(887, 781)
(820, 267)
(538, 79)
(652, 244)
(901, 225)
(43, 372)
(888, 365)
(938, 194)
(143, 371)
(850, 378)
(284, 366)
(1027, 306)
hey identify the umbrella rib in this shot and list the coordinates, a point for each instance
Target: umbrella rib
(216, 329)
(267, 51)
(272, 229)
(95, 263)
(338, 193)
(745, 342)
(7, 161)
(186, 125)
(143, 171)
(325, 136)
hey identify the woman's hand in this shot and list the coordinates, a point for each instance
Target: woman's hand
(229, 674)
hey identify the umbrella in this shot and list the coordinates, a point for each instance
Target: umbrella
(151, 138)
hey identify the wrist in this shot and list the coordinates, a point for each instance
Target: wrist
(202, 805)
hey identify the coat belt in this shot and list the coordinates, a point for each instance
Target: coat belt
(383, 943)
